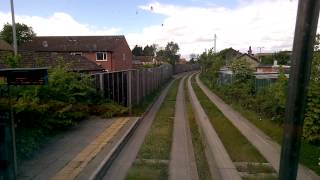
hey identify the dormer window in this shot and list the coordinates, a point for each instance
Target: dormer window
(101, 56)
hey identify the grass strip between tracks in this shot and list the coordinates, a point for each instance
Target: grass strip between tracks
(157, 144)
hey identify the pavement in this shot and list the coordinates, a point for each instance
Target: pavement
(263, 143)
(182, 160)
(221, 165)
(74, 154)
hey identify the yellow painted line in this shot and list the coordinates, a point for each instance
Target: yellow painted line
(77, 164)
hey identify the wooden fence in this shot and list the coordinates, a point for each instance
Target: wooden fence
(130, 87)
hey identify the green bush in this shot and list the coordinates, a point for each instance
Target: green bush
(41, 111)
(311, 130)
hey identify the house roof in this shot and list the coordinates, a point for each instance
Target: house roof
(4, 46)
(230, 50)
(74, 43)
(250, 56)
(49, 59)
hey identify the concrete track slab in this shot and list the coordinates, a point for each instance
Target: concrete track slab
(182, 160)
(223, 166)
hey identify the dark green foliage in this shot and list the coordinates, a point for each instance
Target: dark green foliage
(24, 33)
(149, 50)
(12, 61)
(311, 131)
(41, 111)
(169, 54)
(137, 50)
(283, 58)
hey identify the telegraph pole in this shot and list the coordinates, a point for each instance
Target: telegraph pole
(302, 53)
(14, 32)
(215, 43)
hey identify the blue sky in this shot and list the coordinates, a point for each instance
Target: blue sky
(124, 14)
(190, 23)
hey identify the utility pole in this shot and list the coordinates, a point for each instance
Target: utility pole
(302, 53)
(14, 32)
(215, 43)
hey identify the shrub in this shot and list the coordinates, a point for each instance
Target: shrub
(311, 130)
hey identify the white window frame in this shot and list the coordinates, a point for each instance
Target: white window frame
(105, 56)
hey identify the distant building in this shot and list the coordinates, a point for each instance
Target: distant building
(229, 54)
(253, 61)
(111, 53)
(139, 61)
(182, 61)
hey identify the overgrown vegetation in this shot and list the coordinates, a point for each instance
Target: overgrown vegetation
(265, 107)
(41, 111)
(157, 144)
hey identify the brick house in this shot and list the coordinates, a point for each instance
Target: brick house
(112, 53)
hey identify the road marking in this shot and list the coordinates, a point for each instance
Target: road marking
(78, 163)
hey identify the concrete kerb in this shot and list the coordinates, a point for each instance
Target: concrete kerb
(112, 155)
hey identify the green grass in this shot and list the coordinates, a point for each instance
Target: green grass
(238, 147)
(143, 171)
(197, 141)
(266, 177)
(157, 144)
(139, 109)
(309, 153)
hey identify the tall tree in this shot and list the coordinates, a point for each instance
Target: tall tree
(24, 33)
(137, 51)
(149, 50)
(171, 51)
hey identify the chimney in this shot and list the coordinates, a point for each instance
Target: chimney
(250, 51)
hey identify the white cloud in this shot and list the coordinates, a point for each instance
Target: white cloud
(257, 23)
(58, 24)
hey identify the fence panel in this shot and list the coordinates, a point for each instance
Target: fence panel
(132, 86)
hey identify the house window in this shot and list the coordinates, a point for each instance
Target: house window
(101, 56)
(123, 57)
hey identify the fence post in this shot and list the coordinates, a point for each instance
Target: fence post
(101, 86)
(129, 81)
(138, 84)
(302, 52)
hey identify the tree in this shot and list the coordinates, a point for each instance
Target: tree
(137, 51)
(241, 70)
(149, 50)
(24, 33)
(169, 54)
(193, 58)
(171, 51)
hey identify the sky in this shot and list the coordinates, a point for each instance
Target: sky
(266, 25)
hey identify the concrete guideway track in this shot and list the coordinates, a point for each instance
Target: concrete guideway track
(221, 166)
(264, 144)
(182, 160)
(127, 156)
